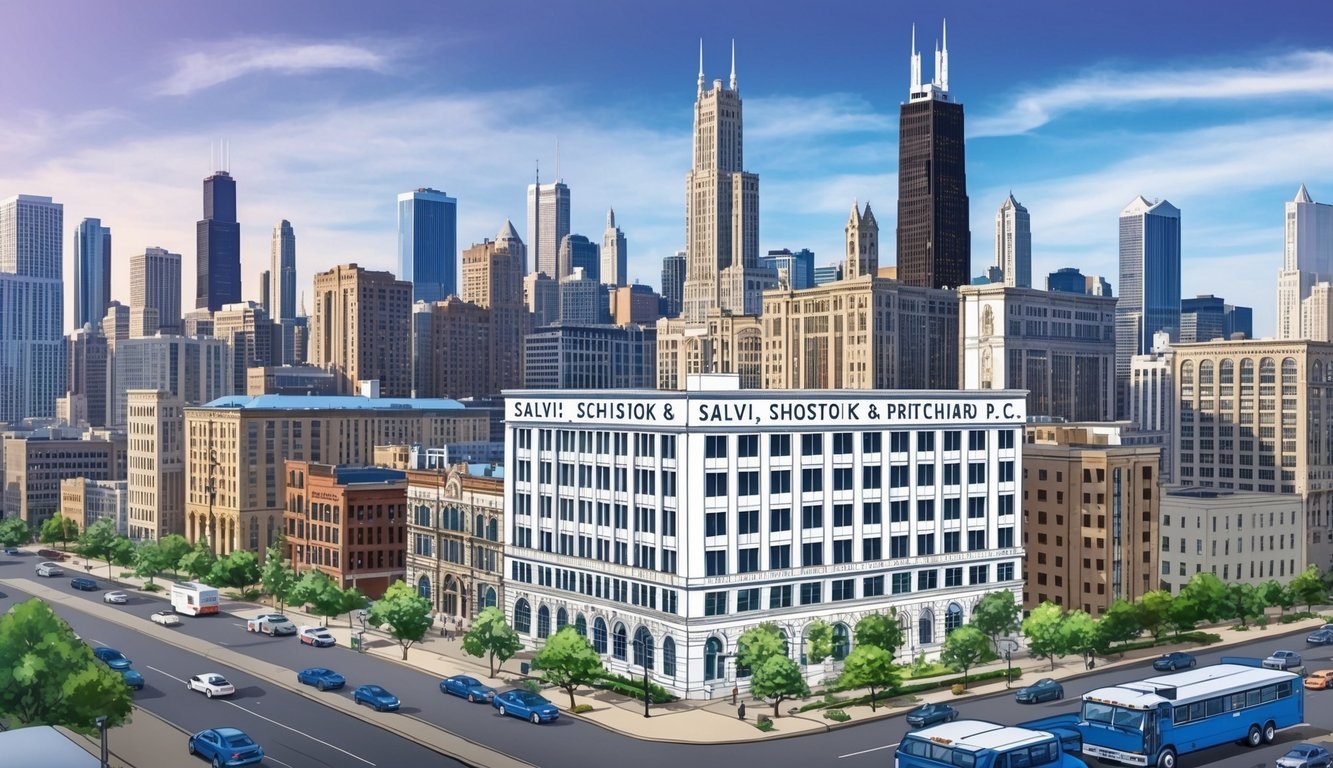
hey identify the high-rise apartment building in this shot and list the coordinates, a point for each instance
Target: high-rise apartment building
(1013, 243)
(467, 351)
(862, 244)
(548, 224)
(32, 340)
(1149, 284)
(88, 367)
(673, 283)
(541, 295)
(1307, 259)
(155, 282)
(92, 271)
(155, 458)
(428, 243)
(282, 303)
(195, 370)
(218, 244)
(599, 357)
(615, 254)
(1071, 280)
(578, 252)
(934, 239)
(362, 328)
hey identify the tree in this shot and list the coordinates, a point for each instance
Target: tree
(778, 678)
(818, 641)
(1079, 633)
(277, 577)
(49, 677)
(97, 540)
(150, 560)
(1276, 594)
(59, 530)
(175, 547)
(568, 660)
(14, 532)
(996, 614)
(1246, 602)
(872, 667)
(1119, 624)
(881, 631)
(198, 562)
(491, 637)
(406, 613)
(238, 570)
(1308, 588)
(1154, 611)
(318, 591)
(351, 600)
(1042, 630)
(964, 648)
(1205, 598)
(121, 554)
(757, 644)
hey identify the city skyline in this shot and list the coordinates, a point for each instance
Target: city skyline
(323, 129)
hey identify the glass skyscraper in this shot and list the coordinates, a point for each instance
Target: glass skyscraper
(92, 272)
(428, 243)
(218, 244)
(1149, 284)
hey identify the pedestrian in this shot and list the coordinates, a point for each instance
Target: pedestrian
(740, 711)
(734, 693)
(458, 625)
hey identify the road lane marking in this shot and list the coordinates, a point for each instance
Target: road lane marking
(271, 759)
(302, 733)
(168, 674)
(868, 751)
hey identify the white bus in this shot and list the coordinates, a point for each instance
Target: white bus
(193, 599)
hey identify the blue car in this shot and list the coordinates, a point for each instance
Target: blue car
(1320, 637)
(321, 678)
(377, 697)
(1044, 689)
(469, 688)
(226, 746)
(117, 661)
(527, 705)
(1170, 662)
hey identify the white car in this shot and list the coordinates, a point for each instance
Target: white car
(210, 684)
(49, 569)
(319, 637)
(166, 619)
(115, 597)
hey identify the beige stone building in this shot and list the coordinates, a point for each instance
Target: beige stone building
(155, 458)
(493, 280)
(361, 328)
(455, 528)
(248, 331)
(87, 501)
(34, 467)
(235, 449)
(1090, 516)
(1241, 537)
(724, 343)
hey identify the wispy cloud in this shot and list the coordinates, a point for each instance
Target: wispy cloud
(1307, 73)
(199, 70)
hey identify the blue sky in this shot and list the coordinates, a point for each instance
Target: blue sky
(331, 109)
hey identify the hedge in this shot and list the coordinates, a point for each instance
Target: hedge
(633, 688)
(994, 674)
(1202, 638)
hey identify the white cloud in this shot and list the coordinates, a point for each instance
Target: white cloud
(199, 70)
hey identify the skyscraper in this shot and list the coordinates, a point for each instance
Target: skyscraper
(614, 261)
(155, 282)
(32, 307)
(578, 252)
(1013, 243)
(265, 291)
(282, 304)
(1149, 284)
(361, 323)
(934, 240)
(673, 283)
(548, 223)
(218, 244)
(92, 271)
(862, 244)
(428, 243)
(1307, 259)
(721, 199)
(799, 266)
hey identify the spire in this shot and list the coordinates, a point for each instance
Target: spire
(610, 218)
(1302, 195)
(701, 66)
(868, 215)
(935, 76)
(302, 312)
(856, 211)
(733, 63)
(942, 68)
(507, 232)
(916, 66)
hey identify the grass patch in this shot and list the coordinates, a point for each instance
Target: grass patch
(151, 588)
(634, 688)
(1202, 638)
(579, 709)
(765, 725)
(837, 716)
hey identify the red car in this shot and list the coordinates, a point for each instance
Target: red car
(51, 554)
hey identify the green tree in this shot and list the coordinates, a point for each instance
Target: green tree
(59, 530)
(406, 613)
(1119, 624)
(870, 666)
(97, 540)
(818, 641)
(1078, 633)
(121, 554)
(150, 560)
(277, 577)
(238, 570)
(198, 562)
(756, 644)
(1205, 598)
(351, 600)
(316, 590)
(491, 637)
(996, 614)
(964, 648)
(881, 631)
(778, 678)
(1042, 630)
(1308, 588)
(49, 677)
(1275, 594)
(175, 547)
(1155, 611)
(14, 532)
(568, 661)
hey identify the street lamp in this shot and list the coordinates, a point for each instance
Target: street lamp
(1010, 647)
(101, 727)
(643, 657)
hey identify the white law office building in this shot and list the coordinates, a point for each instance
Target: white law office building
(662, 525)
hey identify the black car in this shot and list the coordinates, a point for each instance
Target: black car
(931, 714)
(1044, 689)
(1320, 637)
(84, 583)
(1170, 662)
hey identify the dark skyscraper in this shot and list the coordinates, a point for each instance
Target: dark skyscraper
(934, 239)
(218, 240)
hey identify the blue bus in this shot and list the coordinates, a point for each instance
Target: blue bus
(1154, 721)
(978, 744)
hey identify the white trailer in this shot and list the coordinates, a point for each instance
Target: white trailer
(193, 599)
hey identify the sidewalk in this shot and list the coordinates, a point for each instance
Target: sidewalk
(137, 744)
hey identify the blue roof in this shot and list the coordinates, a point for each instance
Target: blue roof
(333, 403)
(349, 475)
(483, 469)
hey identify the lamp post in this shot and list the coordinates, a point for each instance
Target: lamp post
(1010, 647)
(101, 728)
(643, 657)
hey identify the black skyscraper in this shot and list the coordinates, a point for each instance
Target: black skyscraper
(218, 239)
(934, 239)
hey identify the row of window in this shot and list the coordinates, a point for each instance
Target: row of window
(840, 551)
(812, 478)
(1198, 710)
(595, 585)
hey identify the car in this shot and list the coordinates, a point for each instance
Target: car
(321, 677)
(320, 637)
(525, 704)
(467, 687)
(226, 746)
(930, 714)
(1305, 756)
(51, 554)
(118, 597)
(1044, 689)
(112, 657)
(1170, 662)
(377, 697)
(13, 551)
(271, 624)
(1283, 660)
(83, 583)
(210, 684)
(166, 618)
(50, 569)
(1320, 637)
(1320, 680)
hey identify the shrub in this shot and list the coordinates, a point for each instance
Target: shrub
(837, 716)
(1301, 616)
(957, 689)
(127, 574)
(531, 686)
(1241, 628)
(151, 588)
(633, 688)
(579, 709)
(765, 723)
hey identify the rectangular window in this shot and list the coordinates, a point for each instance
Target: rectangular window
(976, 472)
(925, 544)
(779, 481)
(715, 562)
(898, 442)
(779, 519)
(747, 483)
(953, 577)
(747, 446)
(952, 542)
(927, 580)
(872, 477)
(872, 513)
(842, 479)
(715, 446)
(976, 507)
(872, 549)
(925, 442)
(898, 476)
(779, 445)
(842, 443)
(842, 551)
(779, 556)
(902, 583)
(1006, 439)
(747, 560)
(812, 516)
(898, 546)
(715, 603)
(898, 512)
(715, 524)
(925, 474)
(747, 521)
(842, 515)
(953, 440)
(871, 442)
(1004, 571)
(812, 553)
(953, 509)
(976, 541)
(843, 589)
(747, 600)
(779, 597)
(812, 480)
(715, 484)
(812, 445)
(1005, 538)
(872, 586)
(976, 440)
(978, 574)
(925, 510)
(812, 593)
(953, 474)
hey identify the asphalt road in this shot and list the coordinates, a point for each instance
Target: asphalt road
(569, 742)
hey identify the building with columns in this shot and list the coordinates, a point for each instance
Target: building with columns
(155, 459)
(723, 343)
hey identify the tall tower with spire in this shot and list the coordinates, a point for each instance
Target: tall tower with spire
(721, 208)
(1013, 243)
(614, 262)
(862, 244)
(548, 221)
(1307, 259)
(934, 238)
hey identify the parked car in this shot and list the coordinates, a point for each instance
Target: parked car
(1170, 662)
(1283, 660)
(210, 684)
(13, 551)
(166, 618)
(1305, 756)
(271, 624)
(930, 714)
(467, 687)
(320, 637)
(377, 697)
(226, 746)
(321, 677)
(1319, 680)
(120, 598)
(117, 661)
(83, 583)
(1320, 637)
(1044, 689)
(525, 704)
(51, 554)
(50, 569)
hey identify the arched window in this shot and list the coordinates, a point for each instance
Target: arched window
(953, 618)
(490, 598)
(925, 627)
(643, 648)
(254, 534)
(1267, 371)
(1316, 372)
(619, 641)
(423, 587)
(1226, 373)
(1187, 372)
(493, 530)
(522, 617)
(478, 524)
(543, 621)
(712, 653)
(1206, 373)
(423, 516)
(1247, 372)
(668, 657)
(561, 619)
(1289, 375)
(599, 635)
(842, 641)
(581, 625)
